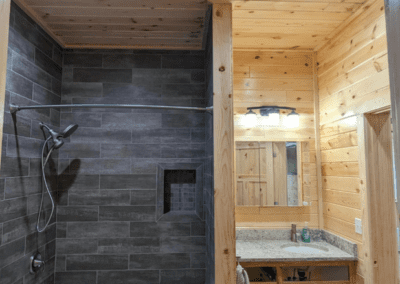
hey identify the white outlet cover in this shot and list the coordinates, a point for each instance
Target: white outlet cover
(358, 226)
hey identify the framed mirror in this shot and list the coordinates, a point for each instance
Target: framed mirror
(272, 173)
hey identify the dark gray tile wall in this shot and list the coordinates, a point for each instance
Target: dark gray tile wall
(106, 226)
(209, 163)
(34, 70)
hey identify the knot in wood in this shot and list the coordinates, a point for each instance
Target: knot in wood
(221, 69)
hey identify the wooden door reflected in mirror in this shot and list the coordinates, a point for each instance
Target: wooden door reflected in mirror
(272, 173)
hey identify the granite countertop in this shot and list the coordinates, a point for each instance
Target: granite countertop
(265, 245)
(270, 250)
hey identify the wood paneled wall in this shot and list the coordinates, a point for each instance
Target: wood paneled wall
(353, 79)
(273, 78)
(353, 72)
(340, 177)
(283, 78)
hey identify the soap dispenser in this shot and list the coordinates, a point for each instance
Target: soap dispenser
(305, 234)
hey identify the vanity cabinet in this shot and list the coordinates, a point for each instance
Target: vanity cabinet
(281, 269)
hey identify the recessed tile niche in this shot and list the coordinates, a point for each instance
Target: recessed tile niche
(180, 192)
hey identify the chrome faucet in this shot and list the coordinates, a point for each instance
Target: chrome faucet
(293, 235)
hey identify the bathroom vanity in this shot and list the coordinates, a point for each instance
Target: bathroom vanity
(270, 257)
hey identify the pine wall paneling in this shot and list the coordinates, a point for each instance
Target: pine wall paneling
(353, 79)
(286, 79)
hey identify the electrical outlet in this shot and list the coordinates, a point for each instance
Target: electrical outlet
(358, 226)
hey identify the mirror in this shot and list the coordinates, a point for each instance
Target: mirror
(272, 173)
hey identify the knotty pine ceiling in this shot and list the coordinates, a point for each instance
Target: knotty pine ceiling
(158, 24)
(180, 24)
(285, 24)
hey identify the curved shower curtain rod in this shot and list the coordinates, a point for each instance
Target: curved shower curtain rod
(14, 108)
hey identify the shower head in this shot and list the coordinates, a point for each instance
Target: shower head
(69, 130)
(56, 137)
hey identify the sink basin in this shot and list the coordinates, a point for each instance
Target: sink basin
(304, 248)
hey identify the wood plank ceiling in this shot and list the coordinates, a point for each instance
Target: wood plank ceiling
(288, 24)
(179, 24)
(161, 24)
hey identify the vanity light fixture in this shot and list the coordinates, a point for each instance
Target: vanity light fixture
(272, 112)
(250, 119)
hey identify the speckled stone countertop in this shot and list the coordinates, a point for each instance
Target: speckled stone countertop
(270, 250)
(266, 245)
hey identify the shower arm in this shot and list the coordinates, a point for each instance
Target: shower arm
(14, 108)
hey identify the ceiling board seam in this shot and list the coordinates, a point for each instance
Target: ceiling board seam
(100, 46)
(117, 8)
(168, 38)
(272, 50)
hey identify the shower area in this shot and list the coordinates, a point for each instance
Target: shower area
(132, 187)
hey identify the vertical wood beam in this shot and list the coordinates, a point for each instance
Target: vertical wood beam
(367, 260)
(353, 272)
(4, 27)
(318, 144)
(224, 205)
(376, 174)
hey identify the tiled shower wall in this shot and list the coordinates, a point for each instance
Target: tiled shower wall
(106, 226)
(33, 77)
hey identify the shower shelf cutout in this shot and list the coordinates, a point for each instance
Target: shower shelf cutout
(180, 192)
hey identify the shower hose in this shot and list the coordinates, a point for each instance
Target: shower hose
(47, 188)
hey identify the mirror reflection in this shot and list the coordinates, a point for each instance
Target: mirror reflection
(271, 173)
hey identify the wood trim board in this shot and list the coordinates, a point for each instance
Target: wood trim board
(378, 207)
(318, 143)
(224, 201)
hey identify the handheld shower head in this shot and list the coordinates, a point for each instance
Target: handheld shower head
(69, 130)
(56, 137)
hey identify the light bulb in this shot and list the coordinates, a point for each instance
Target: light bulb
(250, 119)
(273, 118)
(292, 120)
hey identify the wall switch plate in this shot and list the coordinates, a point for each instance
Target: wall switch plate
(358, 226)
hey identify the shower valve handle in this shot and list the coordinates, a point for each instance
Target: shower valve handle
(36, 263)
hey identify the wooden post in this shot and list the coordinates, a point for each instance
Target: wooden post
(224, 205)
(364, 200)
(353, 272)
(279, 276)
(376, 175)
(4, 27)
(318, 145)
